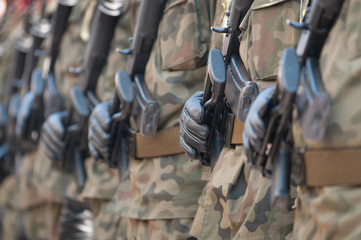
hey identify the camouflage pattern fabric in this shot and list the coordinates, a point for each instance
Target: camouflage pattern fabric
(35, 223)
(107, 225)
(101, 182)
(158, 229)
(236, 202)
(33, 204)
(164, 191)
(333, 212)
(262, 40)
(51, 183)
(11, 212)
(52, 216)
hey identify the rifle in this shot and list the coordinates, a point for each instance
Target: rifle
(47, 98)
(228, 84)
(132, 97)
(23, 47)
(39, 31)
(298, 66)
(83, 99)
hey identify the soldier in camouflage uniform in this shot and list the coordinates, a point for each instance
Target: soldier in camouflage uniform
(158, 196)
(101, 180)
(236, 201)
(53, 183)
(8, 197)
(330, 209)
(19, 195)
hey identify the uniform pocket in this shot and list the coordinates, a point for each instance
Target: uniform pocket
(266, 35)
(182, 44)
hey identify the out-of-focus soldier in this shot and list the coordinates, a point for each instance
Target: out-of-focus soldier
(236, 200)
(328, 203)
(51, 182)
(18, 214)
(101, 181)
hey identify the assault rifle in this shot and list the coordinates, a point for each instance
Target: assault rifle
(23, 47)
(132, 98)
(83, 99)
(49, 102)
(39, 31)
(228, 84)
(298, 66)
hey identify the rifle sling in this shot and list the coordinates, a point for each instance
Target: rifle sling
(330, 167)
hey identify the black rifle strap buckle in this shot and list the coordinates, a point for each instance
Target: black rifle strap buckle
(131, 142)
(229, 121)
(298, 173)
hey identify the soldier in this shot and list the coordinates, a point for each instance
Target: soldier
(236, 200)
(21, 193)
(158, 195)
(53, 183)
(101, 181)
(327, 203)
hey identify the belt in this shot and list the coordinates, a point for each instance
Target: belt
(234, 131)
(327, 167)
(164, 143)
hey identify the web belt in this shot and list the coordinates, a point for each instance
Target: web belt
(328, 167)
(166, 142)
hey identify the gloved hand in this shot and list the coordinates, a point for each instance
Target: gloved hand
(193, 132)
(53, 134)
(99, 131)
(254, 127)
(22, 122)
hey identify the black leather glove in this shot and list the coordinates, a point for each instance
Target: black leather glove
(193, 132)
(22, 121)
(99, 131)
(254, 128)
(53, 134)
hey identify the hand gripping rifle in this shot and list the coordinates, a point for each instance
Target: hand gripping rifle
(228, 84)
(132, 96)
(297, 66)
(83, 99)
(47, 98)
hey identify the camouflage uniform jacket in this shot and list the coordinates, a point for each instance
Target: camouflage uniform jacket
(332, 212)
(237, 200)
(102, 181)
(168, 187)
